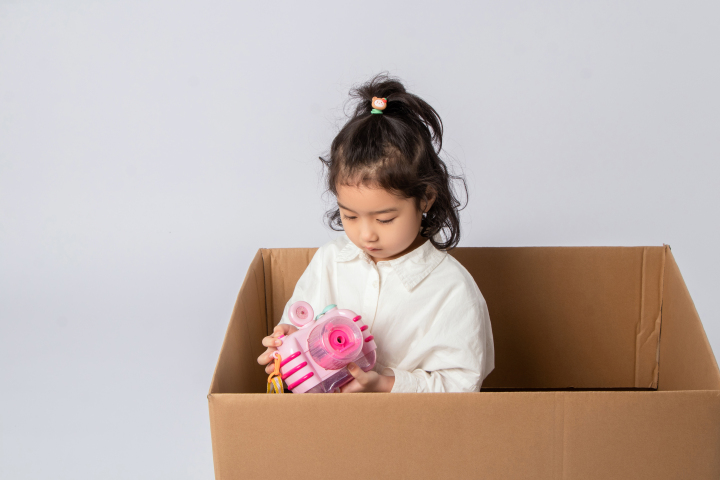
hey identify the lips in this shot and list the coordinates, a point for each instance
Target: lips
(370, 249)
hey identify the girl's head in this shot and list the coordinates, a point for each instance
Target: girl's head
(384, 168)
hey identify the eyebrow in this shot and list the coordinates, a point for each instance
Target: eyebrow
(387, 210)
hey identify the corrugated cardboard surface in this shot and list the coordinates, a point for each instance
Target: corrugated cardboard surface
(562, 317)
(237, 369)
(283, 267)
(686, 358)
(642, 435)
(584, 317)
(498, 435)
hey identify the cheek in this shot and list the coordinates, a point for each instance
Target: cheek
(408, 229)
(349, 228)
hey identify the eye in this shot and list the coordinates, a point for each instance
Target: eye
(386, 221)
(348, 218)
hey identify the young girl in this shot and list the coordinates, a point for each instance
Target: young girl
(394, 199)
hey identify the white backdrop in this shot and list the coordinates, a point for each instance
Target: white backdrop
(149, 148)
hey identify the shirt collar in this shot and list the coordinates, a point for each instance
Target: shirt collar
(411, 268)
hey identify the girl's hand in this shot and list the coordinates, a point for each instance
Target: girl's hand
(272, 343)
(367, 381)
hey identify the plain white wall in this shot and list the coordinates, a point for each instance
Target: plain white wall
(149, 148)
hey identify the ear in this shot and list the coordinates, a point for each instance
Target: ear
(430, 196)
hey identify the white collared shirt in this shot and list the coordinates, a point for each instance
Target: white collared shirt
(429, 319)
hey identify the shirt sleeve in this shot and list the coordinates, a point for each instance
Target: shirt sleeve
(310, 287)
(455, 355)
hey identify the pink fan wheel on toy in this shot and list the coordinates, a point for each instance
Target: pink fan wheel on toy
(301, 313)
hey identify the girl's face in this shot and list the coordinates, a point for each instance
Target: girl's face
(384, 225)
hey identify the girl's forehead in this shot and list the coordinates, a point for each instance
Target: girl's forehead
(368, 198)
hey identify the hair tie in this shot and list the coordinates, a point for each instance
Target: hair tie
(378, 105)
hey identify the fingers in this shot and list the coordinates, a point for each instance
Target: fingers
(357, 384)
(266, 357)
(271, 342)
(274, 340)
(358, 373)
(369, 381)
(284, 329)
(351, 387)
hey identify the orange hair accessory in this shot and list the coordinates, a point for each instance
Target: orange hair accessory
(378, 105)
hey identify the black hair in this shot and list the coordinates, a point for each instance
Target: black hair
(398, 150)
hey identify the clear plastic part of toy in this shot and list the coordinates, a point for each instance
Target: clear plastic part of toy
(335, 342)
(332, 383)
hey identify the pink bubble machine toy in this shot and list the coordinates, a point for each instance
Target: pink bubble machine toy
(315, 358)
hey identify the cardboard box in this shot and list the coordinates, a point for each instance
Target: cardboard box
(603, 371)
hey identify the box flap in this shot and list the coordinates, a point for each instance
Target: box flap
(283, 268)
(686, 357)
(647, 333)
(582, 317)
(237, 369)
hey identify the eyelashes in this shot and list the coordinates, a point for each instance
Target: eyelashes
(384, 222)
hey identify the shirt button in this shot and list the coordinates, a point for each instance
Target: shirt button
(375, 284)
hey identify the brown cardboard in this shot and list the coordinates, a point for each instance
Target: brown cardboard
(617, 322)
(686, 358)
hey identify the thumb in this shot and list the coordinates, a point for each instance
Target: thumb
(280, 330)
(356, 372)
(283, 329)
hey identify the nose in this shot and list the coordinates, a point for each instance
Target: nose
(367, 233)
